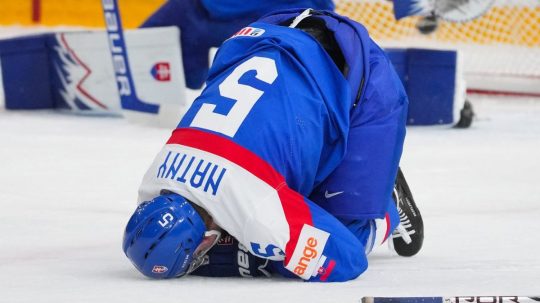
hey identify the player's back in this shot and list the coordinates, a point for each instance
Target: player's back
(274, 90)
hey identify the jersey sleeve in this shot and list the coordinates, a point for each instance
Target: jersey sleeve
(326, 251)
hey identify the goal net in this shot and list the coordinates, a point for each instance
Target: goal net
(500, 50)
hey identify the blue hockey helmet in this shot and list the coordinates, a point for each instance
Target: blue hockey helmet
(164, 237)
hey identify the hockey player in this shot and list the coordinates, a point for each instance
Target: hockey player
(299, 104)
(207, 23)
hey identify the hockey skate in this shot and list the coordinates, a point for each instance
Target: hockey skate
(466, 116)
(408, 237)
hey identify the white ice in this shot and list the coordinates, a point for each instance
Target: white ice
(68, 186)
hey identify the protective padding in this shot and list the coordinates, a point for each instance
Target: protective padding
(429, 77)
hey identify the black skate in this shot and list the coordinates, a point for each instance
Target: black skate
(466, 116)
(408, 237)
(428, 24)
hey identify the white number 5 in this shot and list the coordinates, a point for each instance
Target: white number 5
(165, 219)
(245, 96)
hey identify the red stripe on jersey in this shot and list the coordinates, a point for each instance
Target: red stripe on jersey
(243, 31)
(229, 150)
(295, 208)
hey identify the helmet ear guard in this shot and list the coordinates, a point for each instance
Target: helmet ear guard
(162, 236)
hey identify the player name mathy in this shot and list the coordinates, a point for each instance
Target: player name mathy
(191, 170)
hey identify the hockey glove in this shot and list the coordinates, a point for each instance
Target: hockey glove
(229, 258)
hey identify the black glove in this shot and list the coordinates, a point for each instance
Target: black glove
(229, 258)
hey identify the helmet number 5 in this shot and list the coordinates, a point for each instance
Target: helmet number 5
(245, 96)
(165, 219)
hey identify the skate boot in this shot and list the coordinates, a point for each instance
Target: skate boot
(408, 237)
(466, 116)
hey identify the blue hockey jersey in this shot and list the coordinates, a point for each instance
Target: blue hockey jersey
(271, 125)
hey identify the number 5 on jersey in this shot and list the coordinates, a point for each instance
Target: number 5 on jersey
(245, 96)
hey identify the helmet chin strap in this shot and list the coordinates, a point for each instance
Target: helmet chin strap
(211, 237)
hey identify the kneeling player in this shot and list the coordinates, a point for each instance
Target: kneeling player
(292, 148)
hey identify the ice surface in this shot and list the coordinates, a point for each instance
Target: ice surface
(68, 186)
